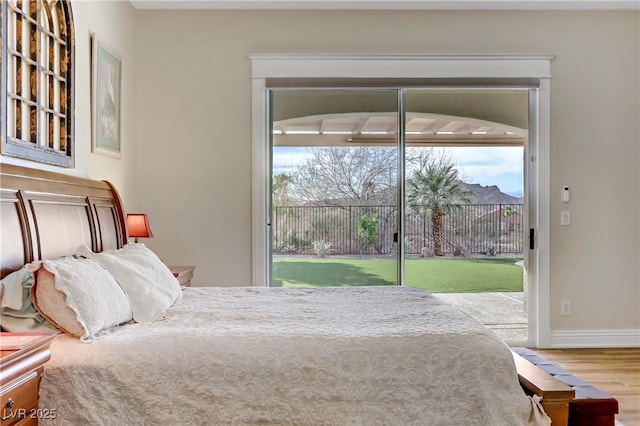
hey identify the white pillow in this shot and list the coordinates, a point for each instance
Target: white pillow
(80, 297)
(148, 283)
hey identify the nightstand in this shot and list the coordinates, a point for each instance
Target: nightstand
(20, 373)
(183, 274)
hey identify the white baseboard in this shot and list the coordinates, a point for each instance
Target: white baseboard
(595, 338)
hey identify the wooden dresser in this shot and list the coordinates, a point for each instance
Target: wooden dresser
(20, 374)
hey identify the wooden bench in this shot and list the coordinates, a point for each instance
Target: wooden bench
(555, 394)
(565, 398)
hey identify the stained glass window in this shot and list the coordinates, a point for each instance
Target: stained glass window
(37, 74)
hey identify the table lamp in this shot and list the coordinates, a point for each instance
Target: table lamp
(138, 226)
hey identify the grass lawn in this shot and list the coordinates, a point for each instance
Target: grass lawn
(437, 275)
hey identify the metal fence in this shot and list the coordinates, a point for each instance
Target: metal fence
(474, 228)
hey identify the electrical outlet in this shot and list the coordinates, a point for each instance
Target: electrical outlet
(565, 308)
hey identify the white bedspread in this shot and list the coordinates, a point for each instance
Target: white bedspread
(293, 356)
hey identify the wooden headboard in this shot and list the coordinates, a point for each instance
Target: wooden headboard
(45, 215)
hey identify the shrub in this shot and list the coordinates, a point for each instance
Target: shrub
(321, 247)
(367, 230)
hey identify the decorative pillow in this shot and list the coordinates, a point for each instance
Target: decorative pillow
(148, 283)
(80, 297)
(17, 312)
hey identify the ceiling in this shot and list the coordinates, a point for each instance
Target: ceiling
(391, 4)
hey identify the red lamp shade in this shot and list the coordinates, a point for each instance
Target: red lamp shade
(138, 226)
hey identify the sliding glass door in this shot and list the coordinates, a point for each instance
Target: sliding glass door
(465, 204)
(334, 187)
(345, 162)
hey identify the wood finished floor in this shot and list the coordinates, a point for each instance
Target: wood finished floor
(615, 371)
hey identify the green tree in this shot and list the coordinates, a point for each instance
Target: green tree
(281, 183)
(436, 188)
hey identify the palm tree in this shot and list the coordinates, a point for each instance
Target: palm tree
(436, 189)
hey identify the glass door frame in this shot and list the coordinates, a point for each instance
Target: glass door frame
(400, 177)
(268, 70)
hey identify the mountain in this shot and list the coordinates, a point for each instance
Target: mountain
(490, 195)
(481, 195)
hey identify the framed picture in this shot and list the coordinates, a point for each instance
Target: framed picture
(106, 69)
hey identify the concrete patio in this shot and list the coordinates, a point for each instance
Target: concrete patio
(504, 313)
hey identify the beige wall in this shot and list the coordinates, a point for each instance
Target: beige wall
(193, 123)
(186, 102)
(113, 22)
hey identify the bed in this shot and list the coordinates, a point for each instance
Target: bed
(254, 355)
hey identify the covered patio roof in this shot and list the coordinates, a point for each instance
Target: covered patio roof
(422, 129)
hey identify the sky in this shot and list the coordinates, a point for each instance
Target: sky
(500, 166)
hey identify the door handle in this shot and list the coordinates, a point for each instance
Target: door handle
(532, 240)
